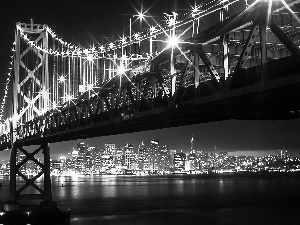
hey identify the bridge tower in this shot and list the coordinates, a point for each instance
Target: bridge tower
(30, 100)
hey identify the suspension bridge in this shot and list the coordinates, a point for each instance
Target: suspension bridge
(244, 66)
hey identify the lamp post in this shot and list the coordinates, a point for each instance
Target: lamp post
(139, 16)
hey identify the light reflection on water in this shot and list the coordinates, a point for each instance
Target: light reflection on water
(121, 186)
(176, 199)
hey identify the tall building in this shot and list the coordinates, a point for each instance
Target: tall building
(74, 160)
(62, 163)
(109, 149)
(154, 154)
(97, 160)
(129, 156)
(81, 148)
(119, 157)
(200, 160)
(144, 157)
(191, 162)
(192, 145)
(88, 160)
(172, 155)
(108, 157)
(164, 159)
(179, 162)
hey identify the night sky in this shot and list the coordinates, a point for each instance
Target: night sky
(85, 23)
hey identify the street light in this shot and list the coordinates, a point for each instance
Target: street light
(61, 79)
(140, 16)
(173, 41)
(121, 69)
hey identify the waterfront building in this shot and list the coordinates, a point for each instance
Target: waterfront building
(172, 155)
(74, 160)
(222, 158)
(97, 162)
(107, 162)
(141, 155)
(129, 156)
(80, 164)
(62, 163)
(144, 158)
(109, 149)
(164, 159)
(134, 161)
(69, 165)
(147, 161)
(94, 157)
(199, 159)
(119, 157)
(191, 162)
(108, 157)
(154, 152)
(55, 166)
(179, 162)
(88, 165)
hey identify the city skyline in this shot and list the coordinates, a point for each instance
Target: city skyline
(155, 159)
(87, 25)
(246, 142)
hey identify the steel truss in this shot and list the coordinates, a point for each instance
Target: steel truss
(15, 194)
(31, 79)
(243, 53)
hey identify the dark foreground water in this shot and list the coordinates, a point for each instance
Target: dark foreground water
(177, 199)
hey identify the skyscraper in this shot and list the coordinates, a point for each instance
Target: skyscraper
(172, 155)
(179, 162)
(192, 144)
(81, 148)
(129, 156)
(109, 149)
(119, 157)
(143, 156)
(108, 157)
(154, 152)
(191, 161)
(164, 159)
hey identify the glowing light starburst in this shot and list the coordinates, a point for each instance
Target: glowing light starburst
(173, 41)
(61, 79)
(121, 69)
(141, 15)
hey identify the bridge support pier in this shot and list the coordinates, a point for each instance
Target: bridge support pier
(20, 202)
(18, 168)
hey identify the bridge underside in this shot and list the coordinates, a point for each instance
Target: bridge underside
(276, 99)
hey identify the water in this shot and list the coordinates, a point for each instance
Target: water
(177, 199)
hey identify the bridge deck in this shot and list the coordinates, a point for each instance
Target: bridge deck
(246, 98)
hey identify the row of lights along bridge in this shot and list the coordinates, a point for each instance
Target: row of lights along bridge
(158, 160)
